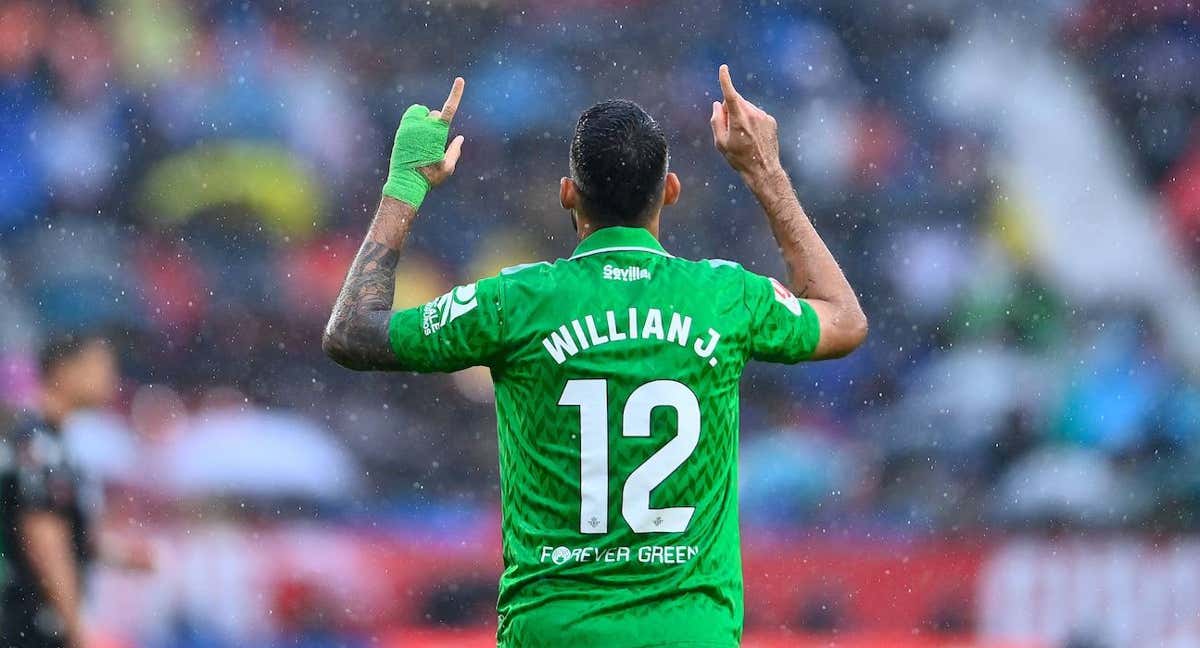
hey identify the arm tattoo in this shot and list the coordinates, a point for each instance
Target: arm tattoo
(357, 334)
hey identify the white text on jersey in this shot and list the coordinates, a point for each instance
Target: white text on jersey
(631, 273)
(580, 335)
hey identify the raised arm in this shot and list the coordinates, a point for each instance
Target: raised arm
(748, 138)
(356, 336)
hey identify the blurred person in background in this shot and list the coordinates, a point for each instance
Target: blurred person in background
(47, 534)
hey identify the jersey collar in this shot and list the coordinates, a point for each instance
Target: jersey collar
(619, 239)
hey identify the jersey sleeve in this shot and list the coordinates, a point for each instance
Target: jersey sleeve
(783, 327)
(460, 329)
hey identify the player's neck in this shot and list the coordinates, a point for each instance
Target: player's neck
(586, 229)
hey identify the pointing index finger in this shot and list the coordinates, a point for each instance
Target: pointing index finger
(731, 95)
(451, 105)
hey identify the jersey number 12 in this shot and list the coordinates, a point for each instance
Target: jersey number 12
(591, 396)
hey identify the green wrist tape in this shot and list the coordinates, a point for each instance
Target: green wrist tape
(420, 141)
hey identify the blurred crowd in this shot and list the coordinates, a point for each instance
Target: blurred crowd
(194, 178)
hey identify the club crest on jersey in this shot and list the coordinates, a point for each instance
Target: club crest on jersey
(630, 273)
(785, 297)
(447, 308)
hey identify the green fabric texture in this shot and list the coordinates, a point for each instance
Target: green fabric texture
(420, 141)
(616, 375)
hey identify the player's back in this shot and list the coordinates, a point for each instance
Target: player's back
(616, 378)
(616, 375)
(617, 402)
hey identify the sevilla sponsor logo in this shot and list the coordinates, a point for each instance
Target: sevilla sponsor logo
(630, 273)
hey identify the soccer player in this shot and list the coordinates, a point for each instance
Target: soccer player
(616, 373)
(46, 535)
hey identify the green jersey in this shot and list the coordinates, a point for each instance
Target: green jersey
(616, 375)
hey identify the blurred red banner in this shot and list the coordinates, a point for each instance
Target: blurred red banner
(419, 591)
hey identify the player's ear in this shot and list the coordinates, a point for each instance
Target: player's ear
(671, 189)
(568, 195)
